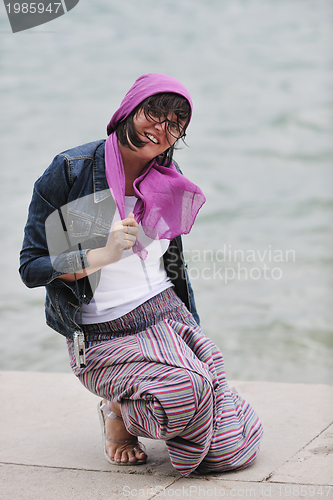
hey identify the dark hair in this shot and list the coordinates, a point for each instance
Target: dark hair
(157, 108)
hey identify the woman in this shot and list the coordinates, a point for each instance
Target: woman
(103, 236)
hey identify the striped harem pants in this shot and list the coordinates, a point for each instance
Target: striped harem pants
(170, 381)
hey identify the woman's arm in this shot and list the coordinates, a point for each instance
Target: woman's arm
(121, 238)
(51, 192)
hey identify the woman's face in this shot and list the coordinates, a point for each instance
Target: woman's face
(156, 136)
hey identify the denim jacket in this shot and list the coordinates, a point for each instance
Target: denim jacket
(71, 212)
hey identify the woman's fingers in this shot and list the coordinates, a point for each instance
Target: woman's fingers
(131, 226)
(130, 241)
(125, 232)
(130, 222)
(123, 237)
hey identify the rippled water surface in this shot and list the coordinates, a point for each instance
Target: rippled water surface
(260, 147)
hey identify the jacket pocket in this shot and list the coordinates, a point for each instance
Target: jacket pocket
(79, 225)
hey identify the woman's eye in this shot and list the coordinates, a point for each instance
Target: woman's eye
(154, 117)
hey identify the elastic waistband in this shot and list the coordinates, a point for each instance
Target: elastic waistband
(142, 317)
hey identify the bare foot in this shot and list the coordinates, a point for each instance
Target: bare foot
(115, 429)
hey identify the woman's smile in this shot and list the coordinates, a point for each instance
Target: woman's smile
(152, 138)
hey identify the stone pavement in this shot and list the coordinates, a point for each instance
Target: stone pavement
(51, 446)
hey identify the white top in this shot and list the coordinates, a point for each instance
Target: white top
(126, 284)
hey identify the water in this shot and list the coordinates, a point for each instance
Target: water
(260, 147)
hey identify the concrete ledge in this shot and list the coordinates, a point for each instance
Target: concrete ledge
(51, 446)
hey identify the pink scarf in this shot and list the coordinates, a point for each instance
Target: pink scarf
(167, 203)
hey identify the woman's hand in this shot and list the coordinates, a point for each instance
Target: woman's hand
(123, 236)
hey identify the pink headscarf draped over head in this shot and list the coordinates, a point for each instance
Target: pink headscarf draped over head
(167, 202)
(145, 86)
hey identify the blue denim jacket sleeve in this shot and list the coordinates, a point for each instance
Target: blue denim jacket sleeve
(36, 268)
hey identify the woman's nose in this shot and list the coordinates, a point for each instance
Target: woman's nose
(160, 126)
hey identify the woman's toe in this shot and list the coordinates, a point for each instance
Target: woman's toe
(124, 457)
(118, 456)
(131, 456)
(140, 454)
(109, 450)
